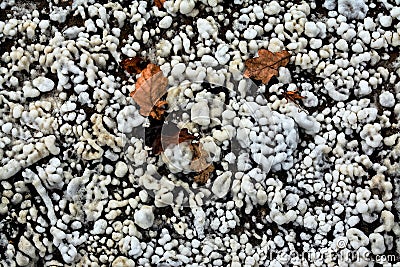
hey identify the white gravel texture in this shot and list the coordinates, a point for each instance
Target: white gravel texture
(314, 182)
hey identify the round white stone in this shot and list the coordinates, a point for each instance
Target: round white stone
(385, 21)
(165, 23)
(386, 99)
(43, 84)
(144, 217)
(121, 169)
(311, 29)
(250, 34)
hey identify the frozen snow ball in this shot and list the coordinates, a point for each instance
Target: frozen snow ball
(342, 45)
(250, 34)
(357, 238)
(311, 29)
(364, 88)
(385, 21)
(121, 169)
(43, 84)
(386, 99)
(144, 217)
(165, 23)
(186, 6)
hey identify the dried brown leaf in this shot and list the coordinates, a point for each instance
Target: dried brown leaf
(266, 65)
(150, 87)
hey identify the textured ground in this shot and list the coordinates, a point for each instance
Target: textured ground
(314, 182)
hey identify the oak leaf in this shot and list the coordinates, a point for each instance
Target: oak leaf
(266, 65)
(159, 3)
(134, 64)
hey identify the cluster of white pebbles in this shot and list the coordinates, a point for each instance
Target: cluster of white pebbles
(310, 185)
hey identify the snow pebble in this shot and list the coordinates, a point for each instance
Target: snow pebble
(186, 6)
(362, 206)
(385, 21)
(273, 8)
(395, 12)
(357, 48)
(342, 45)
(386, 99)
(258, 11)
(43, 84)
(365, 89)
(357, 238)
(250, 34)
(315, 43)
(209, 61)
(30, 92)
(369, 24)
(222, 54)
(6, 127)
(121, 169)
(311, 29)
(222, 184)
(310, 222)
(165, 23)
(352, 9)
(308, 161)
(144, 217)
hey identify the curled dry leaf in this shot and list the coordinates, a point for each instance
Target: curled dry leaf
(150, 87)
(266, 65)
(159, 3)
(174, 136)
(134, 64)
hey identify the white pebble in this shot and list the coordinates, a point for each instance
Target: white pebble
(165, 23)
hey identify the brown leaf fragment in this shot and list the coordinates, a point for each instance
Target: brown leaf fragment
(159, 3)
(150, 87)
(199, 160)
(293, 96)
(158, 110)
(266, 65)
(204, 175)
(134, 64)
